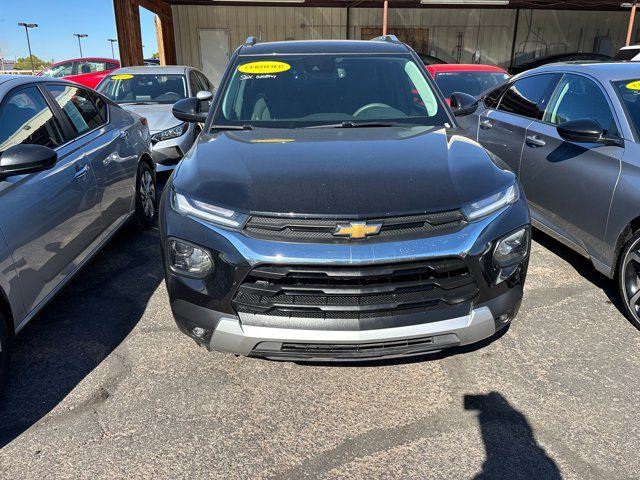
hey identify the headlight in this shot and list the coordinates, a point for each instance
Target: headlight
(170, 133)
(189, 260)
(512, 249)
(210, 213)
(491, 204)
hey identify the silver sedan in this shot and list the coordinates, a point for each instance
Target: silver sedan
(151, 92)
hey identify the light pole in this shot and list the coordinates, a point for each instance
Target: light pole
(112, 41)
(80, 35)
(27, 26)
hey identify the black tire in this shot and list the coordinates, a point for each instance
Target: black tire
(146, 197)
(628, 279)
(5, 352)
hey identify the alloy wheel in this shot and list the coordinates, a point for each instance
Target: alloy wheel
(631, 280)
(147, 195)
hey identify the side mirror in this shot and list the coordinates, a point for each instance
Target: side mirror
(188, 110)
(463, 104)
(22, 159)
(586, 130)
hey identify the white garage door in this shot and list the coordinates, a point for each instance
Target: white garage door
(214, 53)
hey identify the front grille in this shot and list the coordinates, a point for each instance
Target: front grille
(311, 229)
(361, 292)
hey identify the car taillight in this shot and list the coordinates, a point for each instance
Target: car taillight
(144, 121)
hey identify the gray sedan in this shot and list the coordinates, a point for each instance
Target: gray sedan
(74, 167)
(151, 92)
(571, 133)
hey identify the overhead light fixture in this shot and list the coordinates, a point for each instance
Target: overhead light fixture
(465, 2)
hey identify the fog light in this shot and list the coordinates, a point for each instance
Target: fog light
(187, 259)
(511, 249)
(198, 332)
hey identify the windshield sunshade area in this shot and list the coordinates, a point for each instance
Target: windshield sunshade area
(144, 88)
(291, 91)
(473, 83)
(629, 93)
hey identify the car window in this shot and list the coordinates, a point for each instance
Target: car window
(473, 83)
(194, 85)
(112, 66)
(493, 97)
(291, 91)
(629, 94)
(27, 119)
(205, 82)
(57, 71)
(576, 97)
(527, 96)
(86, 67)
(77, 104)
(144, 88)
(626, 54)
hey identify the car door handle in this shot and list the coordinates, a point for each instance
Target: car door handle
(81, 171)
(535, 141)
(486, 124)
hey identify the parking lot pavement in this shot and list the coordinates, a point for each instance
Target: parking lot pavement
(104, 386)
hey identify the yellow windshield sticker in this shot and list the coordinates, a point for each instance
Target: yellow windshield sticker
(267, 66)
(634, 85)
(272, 140)
(122, 76)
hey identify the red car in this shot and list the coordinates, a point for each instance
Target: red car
(467, 78)
(86, 71)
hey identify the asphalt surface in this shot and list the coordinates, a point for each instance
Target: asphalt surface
(104, 386)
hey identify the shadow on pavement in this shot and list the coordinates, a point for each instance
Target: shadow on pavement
(512, 451)
(88, 319)
(583, 266)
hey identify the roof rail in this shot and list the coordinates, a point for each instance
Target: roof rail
(386, 38)
(251, 41)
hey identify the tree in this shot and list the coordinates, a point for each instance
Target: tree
(24, 63)
(155, 55)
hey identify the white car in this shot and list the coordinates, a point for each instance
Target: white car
(628, 54)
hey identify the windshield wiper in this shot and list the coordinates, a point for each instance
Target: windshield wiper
(136, 103)
(352, 124)
(246, 126)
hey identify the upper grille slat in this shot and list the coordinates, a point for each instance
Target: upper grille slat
(355, 292)
(311, 229)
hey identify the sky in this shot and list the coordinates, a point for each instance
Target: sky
(57, 21)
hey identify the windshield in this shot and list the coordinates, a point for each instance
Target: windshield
(629, 93)
(144, 88)
(473, 83)
(313, 90)
(58, 71)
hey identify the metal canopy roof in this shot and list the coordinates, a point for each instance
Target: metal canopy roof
(532, 4)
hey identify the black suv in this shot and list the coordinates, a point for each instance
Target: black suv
(331, 209)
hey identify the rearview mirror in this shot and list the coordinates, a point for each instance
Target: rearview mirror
(586, 130)
(188, 110)
(22, 159)
(463, 103)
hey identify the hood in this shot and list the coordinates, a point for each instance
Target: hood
(158, 115)
(348, 172)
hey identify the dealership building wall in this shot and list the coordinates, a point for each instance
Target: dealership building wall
(465, 35)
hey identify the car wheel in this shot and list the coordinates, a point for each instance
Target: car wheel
(5, 352)
(146, 201)
(629, 279)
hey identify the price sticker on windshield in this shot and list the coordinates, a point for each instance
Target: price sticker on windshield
(263, 67)
(633, 85)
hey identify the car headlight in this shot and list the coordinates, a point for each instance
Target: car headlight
(170, 133)
(493, 203)
(210, 213)
(511, 249)
(188, 259)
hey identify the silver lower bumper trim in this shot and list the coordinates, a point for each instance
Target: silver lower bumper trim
(233, 337)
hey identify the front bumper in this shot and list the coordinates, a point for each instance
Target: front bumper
(206, 305)
(167, 153)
